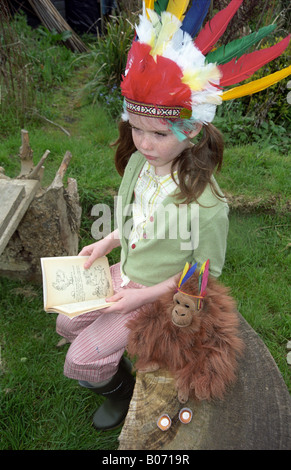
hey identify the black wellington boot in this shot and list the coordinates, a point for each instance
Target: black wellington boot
(118, 392)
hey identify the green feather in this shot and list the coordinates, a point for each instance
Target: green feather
(238, 47)
(160, 6)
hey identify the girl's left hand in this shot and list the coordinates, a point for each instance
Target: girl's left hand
(127, 300)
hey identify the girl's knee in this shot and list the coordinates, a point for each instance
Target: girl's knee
(80, 361)
(70, 328)
(78, 367)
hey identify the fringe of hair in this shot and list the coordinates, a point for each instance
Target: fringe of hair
(125, 147)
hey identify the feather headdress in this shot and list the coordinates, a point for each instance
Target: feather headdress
(188, 271)
(172, 71)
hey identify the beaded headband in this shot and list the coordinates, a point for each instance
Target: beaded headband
(190, 295)
(188, 271)
(164, 112)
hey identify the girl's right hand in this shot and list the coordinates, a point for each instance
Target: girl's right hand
(94, 251)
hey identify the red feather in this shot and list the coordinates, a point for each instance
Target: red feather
(236, 71)
(154, 81)
(215, 28)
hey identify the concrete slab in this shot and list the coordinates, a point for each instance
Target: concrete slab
(15, 198)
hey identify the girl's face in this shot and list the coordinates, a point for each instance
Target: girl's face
(153, 138)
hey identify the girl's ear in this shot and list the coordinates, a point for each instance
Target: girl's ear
(195, 131)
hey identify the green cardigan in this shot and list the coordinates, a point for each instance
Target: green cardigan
(166, 250)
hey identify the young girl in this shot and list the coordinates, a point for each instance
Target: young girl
(170, 208)
(148, 266)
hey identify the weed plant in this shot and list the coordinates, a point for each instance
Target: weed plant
(241, 129)
(263, 117)
(38, 64)
(108, 60)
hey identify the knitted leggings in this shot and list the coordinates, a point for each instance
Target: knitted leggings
(98, 339)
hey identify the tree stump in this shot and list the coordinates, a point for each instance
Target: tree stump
(48, 223)
(255, 414)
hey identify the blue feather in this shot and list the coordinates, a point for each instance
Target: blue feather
(188, 274)
(195, 16)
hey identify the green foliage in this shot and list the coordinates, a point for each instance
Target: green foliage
(52, 66)
(43, 63)
(239, 128)
(16, 85)
(263, 117)
(51, 61)
(40, 409)
(255, 273)
(254, 178)
(271, 104)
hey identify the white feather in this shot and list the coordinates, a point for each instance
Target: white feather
(145, 30)
(182, 51)
(204, 112)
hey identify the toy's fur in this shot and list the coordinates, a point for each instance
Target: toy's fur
(202, 356)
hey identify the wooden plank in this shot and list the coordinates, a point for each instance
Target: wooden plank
(10, 197)
(30, 188)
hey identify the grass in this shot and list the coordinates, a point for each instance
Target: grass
(257, 270)
(40, 409)
(256, 174)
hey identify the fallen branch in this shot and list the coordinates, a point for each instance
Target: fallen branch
(53, 123)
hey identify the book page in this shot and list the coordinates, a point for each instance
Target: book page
(73, 310)
(65, 280)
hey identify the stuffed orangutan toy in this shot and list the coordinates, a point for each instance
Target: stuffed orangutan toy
(193, 333)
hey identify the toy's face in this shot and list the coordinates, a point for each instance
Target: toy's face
(183, 310)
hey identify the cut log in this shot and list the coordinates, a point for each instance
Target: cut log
(25, 154)
(255, 414)
(50, 227)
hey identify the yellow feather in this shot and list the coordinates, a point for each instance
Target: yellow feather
(149, 4)
(185, 270)
(256, 85)
(197, 79)
(177, 7)
(202, 268)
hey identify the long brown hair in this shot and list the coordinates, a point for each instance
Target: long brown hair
(195, 166)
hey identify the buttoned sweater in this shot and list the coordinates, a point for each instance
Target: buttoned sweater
(175, 233)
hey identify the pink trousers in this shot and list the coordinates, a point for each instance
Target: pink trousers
(98, 339)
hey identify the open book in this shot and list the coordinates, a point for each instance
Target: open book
(71, 289)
